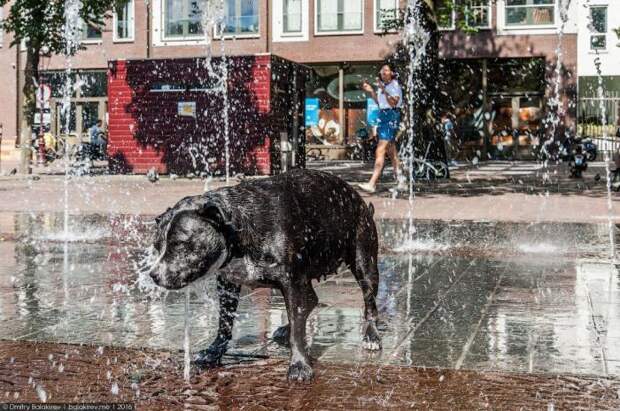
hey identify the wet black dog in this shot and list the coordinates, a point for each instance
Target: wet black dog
(287, 230)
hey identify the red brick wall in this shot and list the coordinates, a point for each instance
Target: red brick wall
(145, 131)
(261, 86)
(125, 151)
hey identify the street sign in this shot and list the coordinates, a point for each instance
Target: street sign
(187, 108)
(43, 95)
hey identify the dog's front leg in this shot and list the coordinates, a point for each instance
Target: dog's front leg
(300, 300)
(228, 294)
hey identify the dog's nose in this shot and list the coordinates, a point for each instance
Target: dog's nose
(154, 277)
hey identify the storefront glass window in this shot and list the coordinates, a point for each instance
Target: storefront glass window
(182, 18)
(530, 12)
(241, 17)
(123, 21)
(339, 15)
(87, 83)
(291, 16)
(598, 16)
(335, 127)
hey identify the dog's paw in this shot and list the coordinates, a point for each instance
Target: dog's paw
(209, 358)
(371, 340)
(300, 371)
(281, 335)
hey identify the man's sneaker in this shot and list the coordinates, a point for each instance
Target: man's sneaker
(402, 185)
(367, 187)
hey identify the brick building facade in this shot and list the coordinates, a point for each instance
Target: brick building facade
(340, 41)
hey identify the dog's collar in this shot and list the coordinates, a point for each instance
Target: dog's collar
(232, 242)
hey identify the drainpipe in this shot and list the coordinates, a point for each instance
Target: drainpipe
(267, 33)
(148, 28)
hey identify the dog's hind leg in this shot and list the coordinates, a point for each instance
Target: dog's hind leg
(228, 294)
(300, 300)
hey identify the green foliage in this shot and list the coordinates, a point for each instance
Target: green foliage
(446, 13)
(40, 22)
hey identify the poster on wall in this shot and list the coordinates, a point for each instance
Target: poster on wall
(312, 111)
(372, 112)
(187, 108)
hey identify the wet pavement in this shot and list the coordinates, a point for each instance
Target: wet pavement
(528, 298)
(152, 380)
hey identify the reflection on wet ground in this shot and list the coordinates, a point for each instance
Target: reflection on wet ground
(472, 295)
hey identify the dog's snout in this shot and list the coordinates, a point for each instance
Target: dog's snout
(154, 277)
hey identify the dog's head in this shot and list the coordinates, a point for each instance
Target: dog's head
(189, 244)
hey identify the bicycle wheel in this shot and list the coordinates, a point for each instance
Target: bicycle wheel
(440, 170)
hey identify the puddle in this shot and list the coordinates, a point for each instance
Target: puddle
(478, 295)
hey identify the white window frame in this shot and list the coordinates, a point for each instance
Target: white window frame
(489, 8)
(218, 35)
(277, 22)
(301, 21)
(453, 26)
(598, 34)
(337, 32)
(376, 27)
(165, 38)
(132, 22)
(508, 27)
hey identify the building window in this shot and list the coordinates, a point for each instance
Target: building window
(478, 13)
(445, 14)
(598, 28)
(241, 17)
(291, 16)
(530, 12)
(124, 21)
(339, 15)
(90, 32)
(182, 18)
(386, 14)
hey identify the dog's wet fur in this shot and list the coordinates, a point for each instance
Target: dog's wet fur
(285, 231)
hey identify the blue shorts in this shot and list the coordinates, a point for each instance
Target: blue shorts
(388, 124)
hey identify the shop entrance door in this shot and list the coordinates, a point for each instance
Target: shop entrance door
(84, 113)
(516, 123)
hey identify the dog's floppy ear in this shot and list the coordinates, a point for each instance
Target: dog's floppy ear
(221, 219)
(216, 214)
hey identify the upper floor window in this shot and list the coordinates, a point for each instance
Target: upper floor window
(530, 12)
(124, 21)
(445, 14)
(339, 15)
(386, 13)
(182, 18)
(478, 13)
(291, 16)
(90, 32)
(241, 17)
(598, 28)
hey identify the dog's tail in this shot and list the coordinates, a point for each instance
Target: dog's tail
(371, 209)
